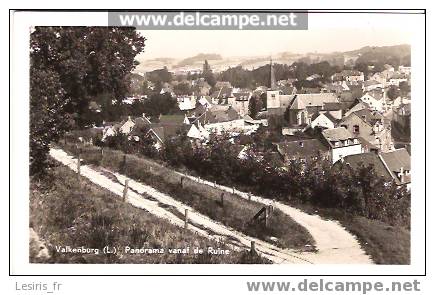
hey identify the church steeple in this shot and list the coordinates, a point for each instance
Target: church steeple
(272, 76)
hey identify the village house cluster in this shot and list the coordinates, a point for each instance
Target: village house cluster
(349, 119)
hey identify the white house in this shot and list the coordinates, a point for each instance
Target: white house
(240, 102)
(186, 102)
(349, 76)
(375, 100)
(324, 120)
(396, 79)
(341, 143)
(372, 85)
(198, 132)
(405, 70)
(127, 126)
(399, 101)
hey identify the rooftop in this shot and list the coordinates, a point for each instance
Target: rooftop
(301, 101)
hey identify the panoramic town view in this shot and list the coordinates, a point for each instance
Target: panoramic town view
(212, 158)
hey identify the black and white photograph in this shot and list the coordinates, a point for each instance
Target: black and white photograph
(199, 138)
(216, 159)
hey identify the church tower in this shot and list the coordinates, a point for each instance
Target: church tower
(272, 76)
(273, 100)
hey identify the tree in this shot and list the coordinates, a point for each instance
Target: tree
(393, 92)
(160, 76)
(144, 88)
(69, 66)
(255, 106)
(405, 88)
(48, 120)
(182, 89)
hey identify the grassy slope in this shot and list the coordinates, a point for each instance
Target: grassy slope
(384, 243)
(236, 212)
(64, 214)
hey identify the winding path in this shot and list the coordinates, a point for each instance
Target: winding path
(334, 244)
(198, 223)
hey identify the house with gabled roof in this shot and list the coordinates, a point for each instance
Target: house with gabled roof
(240, 102)
(220, 119)
(302, 149)
(198, 132)
(186, 102)
(371, 85)
(341, 143)
(394, 165)
(398, 164)
(159, 132)
(221, 96)
(348, 75)
(370, 125)
(323, 120)
(303, 106)
(376, 100)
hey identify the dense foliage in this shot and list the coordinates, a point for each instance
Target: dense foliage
(357, 191)
(243, 78)
(70, 66)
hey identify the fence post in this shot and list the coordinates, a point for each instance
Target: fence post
(181, 181)
(124, 193)
(234, 190)
(78, 166)
(266, 216)
(186, 218)
(222, 199)
(215, 183)
(253, 251)
(249, 196)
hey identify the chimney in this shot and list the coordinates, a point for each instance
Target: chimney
(402, 175)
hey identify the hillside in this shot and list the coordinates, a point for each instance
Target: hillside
(369, 54)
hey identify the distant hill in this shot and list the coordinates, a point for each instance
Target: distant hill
(397, 54)
(199, 58)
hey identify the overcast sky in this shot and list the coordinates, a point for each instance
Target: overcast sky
(326, 33)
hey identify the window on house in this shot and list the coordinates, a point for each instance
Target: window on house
(355, 128)
(272, 95)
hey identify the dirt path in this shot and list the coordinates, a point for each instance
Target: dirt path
(157, 204)
(335, 245)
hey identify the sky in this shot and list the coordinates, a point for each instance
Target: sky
(326, 33)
